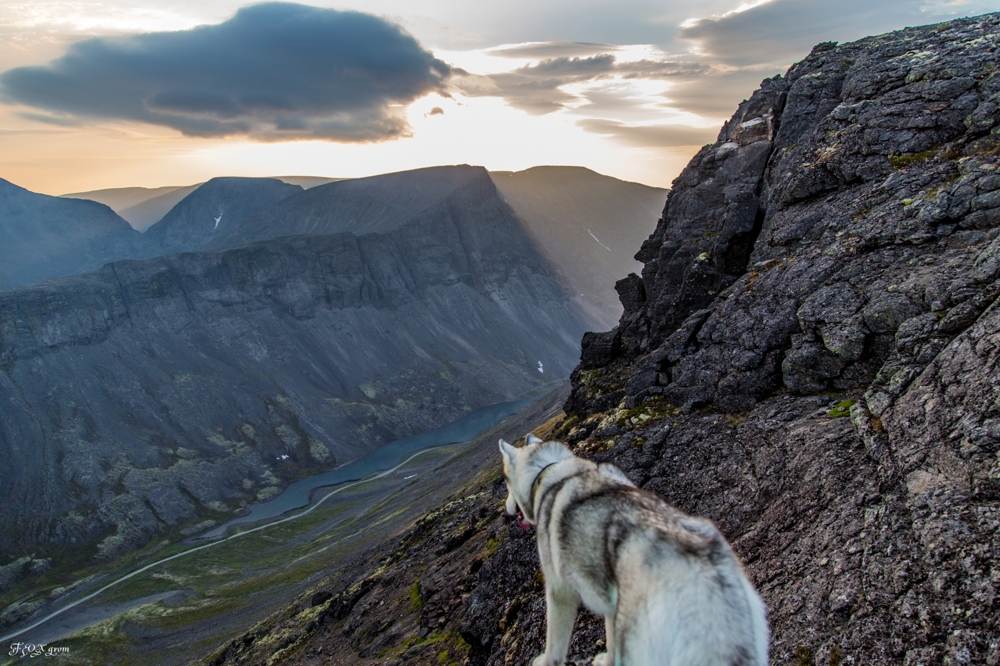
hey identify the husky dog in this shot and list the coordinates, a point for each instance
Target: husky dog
(671, 590)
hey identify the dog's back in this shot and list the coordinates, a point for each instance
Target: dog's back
(676, 590)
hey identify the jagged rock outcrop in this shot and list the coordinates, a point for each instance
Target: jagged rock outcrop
(810, 359)
(863, 161)
(841, 236)
(149, 393)
(48, 237)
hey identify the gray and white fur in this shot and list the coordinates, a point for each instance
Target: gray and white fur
(670, 588)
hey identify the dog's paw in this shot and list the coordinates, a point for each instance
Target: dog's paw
(602, 659)
(542, 660)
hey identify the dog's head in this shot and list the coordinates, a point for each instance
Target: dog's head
(522, 467)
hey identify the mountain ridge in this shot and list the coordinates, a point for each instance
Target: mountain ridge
(376, 207)
(185, 376)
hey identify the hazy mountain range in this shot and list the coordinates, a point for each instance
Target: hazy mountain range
(259, 330)
(586, 223)
(142, 207)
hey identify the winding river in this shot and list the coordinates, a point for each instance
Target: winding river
(298, 494)
(380, 462)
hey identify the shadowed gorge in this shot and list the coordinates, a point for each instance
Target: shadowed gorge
(139, 206)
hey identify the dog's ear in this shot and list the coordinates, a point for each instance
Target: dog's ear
(531, 439)
(506, 450)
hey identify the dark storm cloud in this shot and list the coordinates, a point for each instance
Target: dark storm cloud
(537, 88)
(274, 71)
(782, 31)
(652, 136)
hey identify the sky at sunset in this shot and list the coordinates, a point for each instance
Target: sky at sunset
(136, 93)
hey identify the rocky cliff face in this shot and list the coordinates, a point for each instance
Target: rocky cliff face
(147, 394)
(838, 242)
(840, 201)
(810, 358)
(48, 237)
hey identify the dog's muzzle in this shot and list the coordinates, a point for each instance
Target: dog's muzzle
(520, 520)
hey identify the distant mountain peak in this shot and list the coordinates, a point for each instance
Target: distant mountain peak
(375, 204)
(214, 208)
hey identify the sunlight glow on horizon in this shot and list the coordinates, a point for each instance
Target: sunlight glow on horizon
(621, 122)
(93, 154)
(483, 130)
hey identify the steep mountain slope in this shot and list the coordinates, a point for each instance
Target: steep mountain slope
(182, 379)
(213, 210)
(48, 237)
(588, 223)
(809, 359)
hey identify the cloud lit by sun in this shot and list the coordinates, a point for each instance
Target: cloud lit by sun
(610, 86)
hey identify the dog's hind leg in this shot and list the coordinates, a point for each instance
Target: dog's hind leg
(561, 604)
(607, 658)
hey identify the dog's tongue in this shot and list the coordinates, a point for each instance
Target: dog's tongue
(520, 520)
